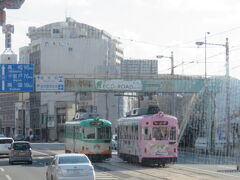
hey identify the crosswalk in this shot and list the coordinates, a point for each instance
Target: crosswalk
(105, 176)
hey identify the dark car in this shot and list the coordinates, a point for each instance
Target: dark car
(35, 138)
(19, 137)
(20, 151)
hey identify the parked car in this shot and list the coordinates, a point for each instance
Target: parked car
(19, 137)
(5, 143)
(2, 135)
(20, 151)
(70, 167)
(201, 144)
(34, 138)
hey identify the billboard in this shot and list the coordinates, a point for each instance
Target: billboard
(140, 85)
(118, 85)
(77, 84)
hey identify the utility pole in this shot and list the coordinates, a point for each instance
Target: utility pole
(76, 102)
(23, 116)
(172, 74)
(173, 94)
(107, 72)
(46, 118)
(227, 78)
(227, 90)
(205, 48)
(205, 101)
(172, 63)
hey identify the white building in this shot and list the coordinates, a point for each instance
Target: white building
(24, 53)
(71, 48)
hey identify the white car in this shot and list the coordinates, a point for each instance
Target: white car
(201, 144)
(5, 143)
(70, 167)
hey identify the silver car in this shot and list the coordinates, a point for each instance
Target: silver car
(5, 143)
(20, 151)
(70, 167)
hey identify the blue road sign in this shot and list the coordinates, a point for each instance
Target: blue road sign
(49, 83)
(17, 77)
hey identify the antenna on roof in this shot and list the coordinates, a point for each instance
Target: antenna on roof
(66, 9)
(69, 19)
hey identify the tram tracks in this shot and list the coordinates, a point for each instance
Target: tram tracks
(132, 174)
(168, 173)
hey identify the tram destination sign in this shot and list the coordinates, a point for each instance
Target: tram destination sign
(16, 77)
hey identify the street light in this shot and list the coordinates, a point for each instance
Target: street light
(172, 73)
(227, 81)
(205, 43)
(172, 61)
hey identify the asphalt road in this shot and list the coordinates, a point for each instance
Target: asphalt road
(189, 167)
(37, 170)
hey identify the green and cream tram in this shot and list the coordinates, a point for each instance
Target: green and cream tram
(90, 136)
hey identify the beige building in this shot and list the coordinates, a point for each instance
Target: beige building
(70, 48)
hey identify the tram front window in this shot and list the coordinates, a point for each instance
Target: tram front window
(173, 133)
(89, 133)
(103, 132)
(160, 133)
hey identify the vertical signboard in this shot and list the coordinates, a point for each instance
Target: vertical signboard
(17, 77)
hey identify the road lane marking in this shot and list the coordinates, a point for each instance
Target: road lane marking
(41, 153)
(1, 169)
(105, 176)
(8, 177)
(213, 172)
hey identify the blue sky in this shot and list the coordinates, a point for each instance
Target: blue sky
(147, 28)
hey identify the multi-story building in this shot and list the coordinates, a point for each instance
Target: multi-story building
(8, 100)
(70, 48)
(137, 69)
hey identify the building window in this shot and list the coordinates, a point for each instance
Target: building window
(70, 49)
(56, 31)
(61, 119)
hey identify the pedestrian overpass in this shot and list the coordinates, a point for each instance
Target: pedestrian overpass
(21, 78)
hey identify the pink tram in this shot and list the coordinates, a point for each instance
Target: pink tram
(148, 139)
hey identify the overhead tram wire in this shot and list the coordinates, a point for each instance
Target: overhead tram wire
(180, 44)
(180, 64)
(222, 69)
